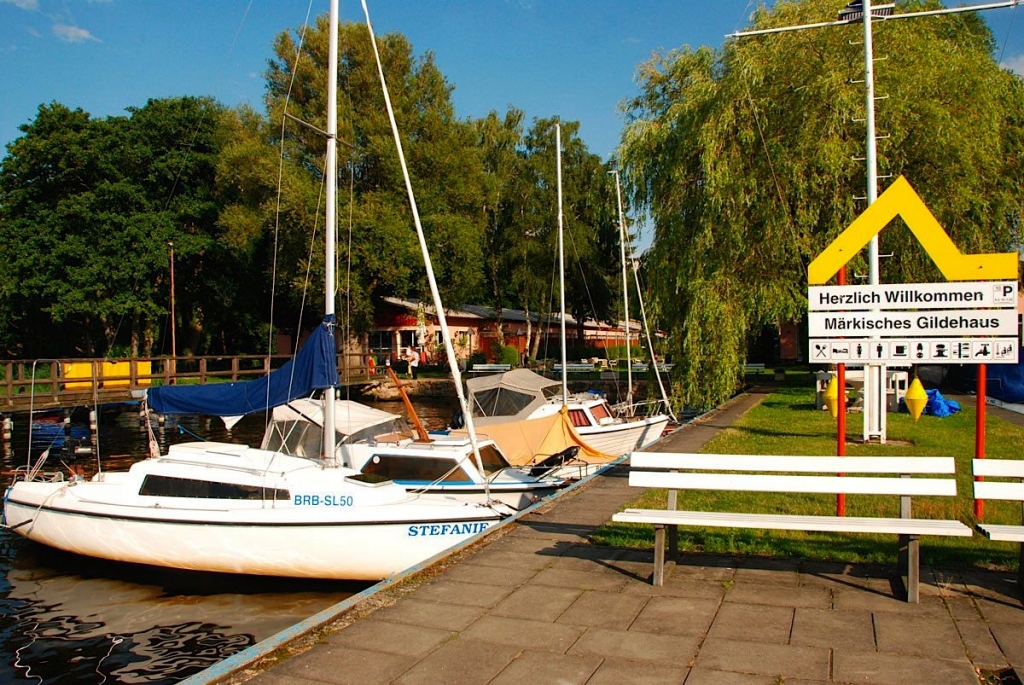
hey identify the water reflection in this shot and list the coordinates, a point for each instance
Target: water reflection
(69, 619)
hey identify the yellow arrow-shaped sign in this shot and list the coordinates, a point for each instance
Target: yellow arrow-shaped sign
(901, 200)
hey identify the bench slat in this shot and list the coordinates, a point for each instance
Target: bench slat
(1008, 533)
(997, 490)
(843, 524)
(747, 462)
(769, 483)
(999, 468)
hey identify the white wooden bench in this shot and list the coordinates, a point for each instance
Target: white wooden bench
(755, 473)
(642, 367)
(753, 368)
(490, 368)
(1013, 491)
(575, 368)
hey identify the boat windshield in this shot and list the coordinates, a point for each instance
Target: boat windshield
(492, 460)
(301, 438)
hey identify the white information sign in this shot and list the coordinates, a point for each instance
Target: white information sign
(899, 324)
(915, 351)
(903, 296)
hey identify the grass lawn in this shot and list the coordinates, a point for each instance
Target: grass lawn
(787, 423)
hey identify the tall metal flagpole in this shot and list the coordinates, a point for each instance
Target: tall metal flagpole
(874, 377)
(561, 261)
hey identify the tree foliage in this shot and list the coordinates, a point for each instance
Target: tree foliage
(748, 159)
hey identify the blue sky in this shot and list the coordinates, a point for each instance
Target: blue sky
(573, 58)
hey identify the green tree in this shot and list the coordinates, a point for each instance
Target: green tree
(747, 161)
(88, 207)
(444, 161)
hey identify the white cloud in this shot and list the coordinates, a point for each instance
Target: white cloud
(1015, 64)
(30, 5)
(73, 34)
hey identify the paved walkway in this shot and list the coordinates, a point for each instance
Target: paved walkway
(540, 605)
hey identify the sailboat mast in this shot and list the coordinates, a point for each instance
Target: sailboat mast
(453, 362)
(561, 261)
(331, 213)
(625, 293)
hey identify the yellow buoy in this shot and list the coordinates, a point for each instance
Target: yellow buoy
(831, 397)
(916, 398)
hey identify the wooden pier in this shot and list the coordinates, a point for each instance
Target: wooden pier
(68, 383)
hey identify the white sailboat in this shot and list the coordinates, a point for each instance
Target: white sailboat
(236, 509)
(521, 394)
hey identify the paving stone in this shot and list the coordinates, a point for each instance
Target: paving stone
(535, 635)
(636, 646)
(470, 594)
(340, 665)
(899, 669)
(440, 615)
(918, 636)
(963, 609)
(617, 672)
(510, 560)
(828, 628)
(555, 532)
(740, 656)
(795, 596)
(532, 667)
(569, 563)
(275, 678)
(981, 645)
(846, 599)
(1010, 639)
(536, 602)
(461, 662)
(392, 638)
(755, 623)
(530, 545)
(583, 580)
(678, 587)
(1001, 611)
(676, 616)
(603, 610)
(707, 676)
(509, 577)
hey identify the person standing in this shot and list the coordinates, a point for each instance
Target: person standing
(413, 357)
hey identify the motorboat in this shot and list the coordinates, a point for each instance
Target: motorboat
(436, 464)
(523, 395)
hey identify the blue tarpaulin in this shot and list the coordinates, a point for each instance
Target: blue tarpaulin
(315, 367)
(937, 405)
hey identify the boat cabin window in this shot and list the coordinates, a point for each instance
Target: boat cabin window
(396, 425)
(165, 486)
(415, 469)
(600, 411)
(492, 460)
(295, 438)
(579, 418)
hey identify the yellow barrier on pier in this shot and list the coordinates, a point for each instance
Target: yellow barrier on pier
(119, 371)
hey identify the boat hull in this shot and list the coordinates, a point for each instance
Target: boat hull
(623, 438)
(270, 542)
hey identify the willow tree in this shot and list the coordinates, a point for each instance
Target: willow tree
(749, 160)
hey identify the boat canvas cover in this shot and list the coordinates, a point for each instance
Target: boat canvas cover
(514, 394)
(349, 417)
(315, 367)
(529, 442)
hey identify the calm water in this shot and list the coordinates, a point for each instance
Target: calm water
(67, 619)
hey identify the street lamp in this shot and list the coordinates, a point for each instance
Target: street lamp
(862, 11)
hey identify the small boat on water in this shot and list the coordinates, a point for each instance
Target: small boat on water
(382, 444)
(522, 395)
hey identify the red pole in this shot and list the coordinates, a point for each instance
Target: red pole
(979, 434)
(841, 417)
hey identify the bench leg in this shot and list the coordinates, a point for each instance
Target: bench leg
(1020, 572)
(659, 556)
(910, 560)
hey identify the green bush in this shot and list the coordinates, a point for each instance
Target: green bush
(508, 354)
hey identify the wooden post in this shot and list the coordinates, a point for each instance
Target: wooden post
(979, 432)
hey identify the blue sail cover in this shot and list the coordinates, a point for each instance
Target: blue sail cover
(315, 367)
